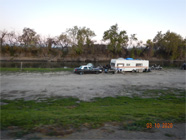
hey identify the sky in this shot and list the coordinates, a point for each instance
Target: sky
(52, 17)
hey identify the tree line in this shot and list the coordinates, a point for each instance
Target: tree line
(78, 42)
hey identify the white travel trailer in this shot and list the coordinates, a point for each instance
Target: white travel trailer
(129, 64)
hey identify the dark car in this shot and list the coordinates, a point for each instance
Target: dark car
(87, 69)
(183, 67)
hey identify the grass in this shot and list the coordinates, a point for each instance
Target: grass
(35, 69)
(166, 93)
(130, 113)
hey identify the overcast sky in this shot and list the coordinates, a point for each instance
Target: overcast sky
(52, 17)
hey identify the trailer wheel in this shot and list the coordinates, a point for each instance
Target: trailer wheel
(123, 72)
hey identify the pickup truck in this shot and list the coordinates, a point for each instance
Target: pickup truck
(87, 69)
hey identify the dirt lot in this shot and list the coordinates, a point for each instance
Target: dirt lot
(40, 85)
(85, 87)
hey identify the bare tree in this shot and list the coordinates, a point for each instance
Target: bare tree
(50, 42)
(72, 32)
(29, 37)
(40, 41)
(12, 39)
(133, 40)
(63, 40)
(2, 36)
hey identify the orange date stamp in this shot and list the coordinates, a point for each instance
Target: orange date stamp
(159, 125)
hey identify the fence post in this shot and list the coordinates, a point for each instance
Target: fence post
(21, 66)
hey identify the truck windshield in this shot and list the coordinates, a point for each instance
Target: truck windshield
(112, 64)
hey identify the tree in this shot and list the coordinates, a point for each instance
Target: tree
(72, 32)
(168, 44)
(50, 41)
(40, 41)
(150, 47)
(85, 35)
(63, 40)
(2, 35)
(182, 50)
(117, 39)
(133, 39)
(13, 39)
(171, 42)
(29, 37)
(80, 37)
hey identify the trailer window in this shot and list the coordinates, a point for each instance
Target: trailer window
(120, 64)
(128, 64)
(139, 64)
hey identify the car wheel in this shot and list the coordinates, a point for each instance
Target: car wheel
(81, 73)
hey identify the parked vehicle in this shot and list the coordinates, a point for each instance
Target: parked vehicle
(183, 67)
(87, 69)
(155, 67)
(108, 69)
(129, 64)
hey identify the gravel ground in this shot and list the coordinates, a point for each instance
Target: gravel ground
(85, 87)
